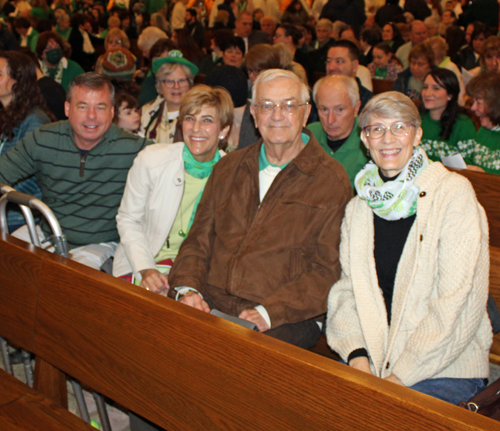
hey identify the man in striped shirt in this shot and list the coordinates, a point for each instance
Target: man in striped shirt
(81, 166)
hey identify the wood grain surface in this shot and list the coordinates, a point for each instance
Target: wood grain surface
(32, 411)
(188, 370)
(19, 276)
(487, 188)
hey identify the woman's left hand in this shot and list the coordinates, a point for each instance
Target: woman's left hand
(475, 168)
(392, 378)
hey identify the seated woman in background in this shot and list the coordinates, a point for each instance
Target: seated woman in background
(233, 51)
(410, 306)
(411, 80)
(485, 90)
(489, 59)
(116, 38)
(214, 58)
(164, 187)
(468, 57)
(445, 129)
(161, 48)
(385, 65)
(53, 63)
(174, 77)
(22, 109)
(392, 35)
(439, 47)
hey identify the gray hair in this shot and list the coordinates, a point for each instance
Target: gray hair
(346, 81)
(271, 74)
(149, 36)
(438, 45)
(167, 68)
(325, 22)
(391, 104)
(93, 81)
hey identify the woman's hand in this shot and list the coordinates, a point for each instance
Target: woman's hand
(154, 280)
(361, 363)
(392, 378)
(475, 168)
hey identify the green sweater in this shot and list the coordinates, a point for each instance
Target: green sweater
(70, 72)
(352, 153)
(84, 192)
(486, 153)
(462, 136)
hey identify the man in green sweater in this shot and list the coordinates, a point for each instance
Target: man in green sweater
(81, 166)
(337, 99)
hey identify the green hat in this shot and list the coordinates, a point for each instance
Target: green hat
(174, 56)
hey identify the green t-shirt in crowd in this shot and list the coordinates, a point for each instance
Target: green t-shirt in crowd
(463, 135)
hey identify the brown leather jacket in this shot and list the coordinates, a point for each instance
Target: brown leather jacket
(283, 254)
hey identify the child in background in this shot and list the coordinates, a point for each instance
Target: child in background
(385, 65)
(127, 114)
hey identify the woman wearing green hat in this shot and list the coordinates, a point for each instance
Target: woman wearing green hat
(174, 77)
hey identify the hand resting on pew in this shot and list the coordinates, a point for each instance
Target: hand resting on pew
(154, 280)
(254, 316)
(195, 300)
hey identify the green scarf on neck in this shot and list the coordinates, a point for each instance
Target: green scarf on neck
(198, 170)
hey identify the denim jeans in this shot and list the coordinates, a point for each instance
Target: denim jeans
(450, 390)
(447, 389)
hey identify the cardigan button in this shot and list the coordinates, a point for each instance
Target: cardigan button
(422, 194)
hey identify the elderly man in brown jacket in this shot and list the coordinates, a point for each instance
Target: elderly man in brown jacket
(264, 245)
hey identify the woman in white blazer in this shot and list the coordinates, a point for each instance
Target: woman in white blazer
(164, 187)
(410, 306)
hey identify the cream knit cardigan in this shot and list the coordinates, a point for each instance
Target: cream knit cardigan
(440, 327)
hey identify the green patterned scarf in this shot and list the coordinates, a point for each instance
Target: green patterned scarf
(392, 200)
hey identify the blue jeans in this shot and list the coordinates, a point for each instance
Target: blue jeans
(447, 389)
(450, 390)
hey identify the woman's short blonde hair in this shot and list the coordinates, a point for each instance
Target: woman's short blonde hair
(202, 95)
(390, 105)
(167, 68)
(121, 34)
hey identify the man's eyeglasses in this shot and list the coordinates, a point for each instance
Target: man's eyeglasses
(170, 83)
(397, 129)
(289, 107)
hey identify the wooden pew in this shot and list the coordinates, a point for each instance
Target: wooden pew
(382, 85)
(487, 188)
(495, 292)
(188, 370)
(22, 409)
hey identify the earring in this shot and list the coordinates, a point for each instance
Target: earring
(368, 153)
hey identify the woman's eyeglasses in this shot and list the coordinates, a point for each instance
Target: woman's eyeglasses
(400, 128)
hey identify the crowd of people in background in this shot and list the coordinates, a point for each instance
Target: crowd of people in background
(189, 82)
(397, 41)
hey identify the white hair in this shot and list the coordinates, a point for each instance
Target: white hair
(347, 82)
(271, 74)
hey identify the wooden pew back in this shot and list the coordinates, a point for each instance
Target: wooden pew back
(188, 370)
(487, 188)
(495, 292)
